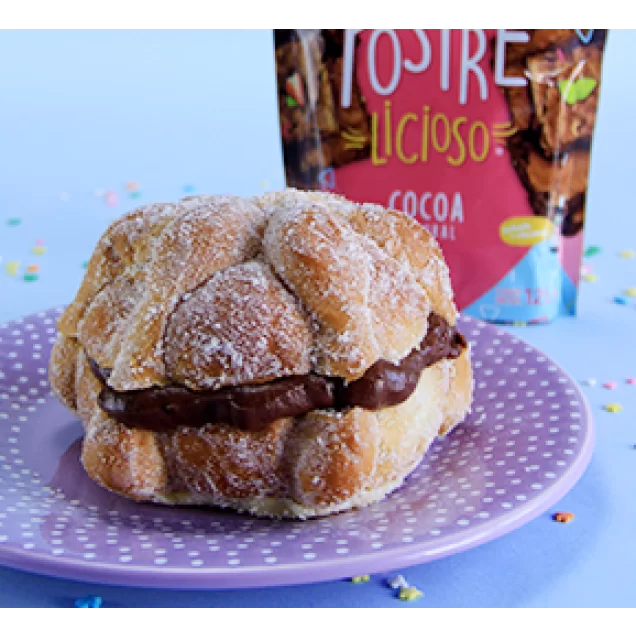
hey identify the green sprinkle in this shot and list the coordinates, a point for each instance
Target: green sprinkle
(585, 87)
(135, 195)
(593, 250)
(84, 264)
(577, 90)
(29, 278)
(291, 102)
(14, 221)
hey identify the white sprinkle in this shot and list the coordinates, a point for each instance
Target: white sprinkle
(397, 582)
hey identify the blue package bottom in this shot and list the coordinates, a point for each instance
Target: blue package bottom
(537, 290)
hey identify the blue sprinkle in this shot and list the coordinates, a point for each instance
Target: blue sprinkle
(89, 601)
(620, 301)
(188, 188)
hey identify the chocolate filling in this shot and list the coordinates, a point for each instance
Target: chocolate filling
(254, 407)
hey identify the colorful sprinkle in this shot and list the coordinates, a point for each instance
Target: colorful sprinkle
(563, 517)
(84, 264)
(135, 195)
(613, 408)
(610, 385)
(295, 91)
(188, 188)
(38, 249)
(327, 179)
(89, 601)
(627, 254)
(30, 278)
(591, 382)
(14, 221)
(631, 380)
(12, 267)
(631, 292)
(585, 36)
(590, 278)
(585, 270)
(619, 300)
(111, 198)
(593, 250)
(361, 579)
(39, 241)
(33, 268)
(397, 582)
(286, 132)
(132, 186)
(409, 594)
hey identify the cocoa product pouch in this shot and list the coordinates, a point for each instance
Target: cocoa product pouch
(482, 135)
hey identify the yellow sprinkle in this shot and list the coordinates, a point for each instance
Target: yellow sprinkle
(631, 292)
(360, 579)
(409, 594)
(613, 408)
(39, 249)
(12, 267)
(590, 278)
(627, 254)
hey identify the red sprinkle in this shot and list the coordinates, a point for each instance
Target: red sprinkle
(610, 385)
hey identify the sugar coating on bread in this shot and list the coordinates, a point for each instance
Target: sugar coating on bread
(216, 292)
(240, 327)
(315, 251)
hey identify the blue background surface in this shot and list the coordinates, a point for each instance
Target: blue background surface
(86, 111)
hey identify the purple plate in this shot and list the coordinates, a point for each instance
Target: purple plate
(528, 441)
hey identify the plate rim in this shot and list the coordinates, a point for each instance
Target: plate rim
(323, 570)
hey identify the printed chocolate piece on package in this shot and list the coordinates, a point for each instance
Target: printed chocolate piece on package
(318, 132)
(554, 115)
